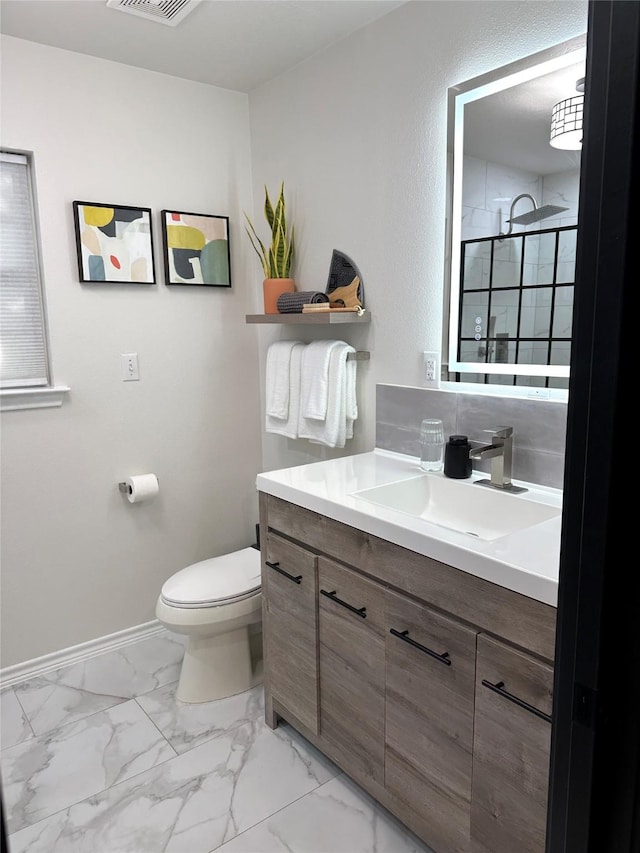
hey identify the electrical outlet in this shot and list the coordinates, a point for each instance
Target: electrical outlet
(431, 369)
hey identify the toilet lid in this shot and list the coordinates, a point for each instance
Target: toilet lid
(217, 580)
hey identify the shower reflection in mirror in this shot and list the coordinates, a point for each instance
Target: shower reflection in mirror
(514, 214)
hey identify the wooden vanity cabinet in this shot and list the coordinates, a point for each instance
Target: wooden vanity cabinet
(429, 677)
(290, 628)
(511, 750)
(350, 621)
(429, 686)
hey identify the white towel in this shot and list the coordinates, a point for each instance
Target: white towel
(289, 426)
(315, 378)
(333, 430)
(277, 379)
(351, 402)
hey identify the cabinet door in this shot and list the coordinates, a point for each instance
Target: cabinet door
(291, 628)
(430, 678)
(512, 741)
(351, 669)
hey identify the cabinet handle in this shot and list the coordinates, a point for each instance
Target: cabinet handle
(359, 611)
(404, 635)
(276, 568)
(499, 689)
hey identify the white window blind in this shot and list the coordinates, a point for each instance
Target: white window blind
(23, 347)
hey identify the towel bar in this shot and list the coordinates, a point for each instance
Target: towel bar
(361, 355)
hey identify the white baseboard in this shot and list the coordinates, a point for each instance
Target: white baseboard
(11, 675)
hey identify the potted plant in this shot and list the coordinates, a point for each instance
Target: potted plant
(276, 259)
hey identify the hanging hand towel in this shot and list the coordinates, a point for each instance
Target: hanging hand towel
(351, 402)
(315, 378)
(277, 379)
(332, 429)
(289, 426)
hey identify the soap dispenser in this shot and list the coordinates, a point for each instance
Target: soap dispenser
(457, 462)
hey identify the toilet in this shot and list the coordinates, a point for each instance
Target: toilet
(217, 603)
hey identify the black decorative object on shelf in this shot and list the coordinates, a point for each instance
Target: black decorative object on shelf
(342, 273)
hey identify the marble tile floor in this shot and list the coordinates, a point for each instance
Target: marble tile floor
(100, 757)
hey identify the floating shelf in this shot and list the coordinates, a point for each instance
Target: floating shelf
(312, 319)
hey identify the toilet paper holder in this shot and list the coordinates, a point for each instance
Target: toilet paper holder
(125, 488)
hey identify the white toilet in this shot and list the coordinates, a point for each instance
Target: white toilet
(217, 603)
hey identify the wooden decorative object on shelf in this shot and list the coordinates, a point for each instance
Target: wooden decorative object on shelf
(310, 308)
(346, 297)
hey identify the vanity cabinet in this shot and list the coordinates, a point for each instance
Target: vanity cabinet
(290, 589)
(511, 749)
(350, 621)
(430, 687)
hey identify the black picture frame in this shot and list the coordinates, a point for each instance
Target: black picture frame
(196, 249)
(114, 243)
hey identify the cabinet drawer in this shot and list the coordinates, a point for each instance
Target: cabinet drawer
(430, 680)
(291, 628)
(352, 669)
(512, 743)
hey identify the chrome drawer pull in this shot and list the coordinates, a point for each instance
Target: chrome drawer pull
(359, 611)
(404, 635)
(276, 568)
(499, 689)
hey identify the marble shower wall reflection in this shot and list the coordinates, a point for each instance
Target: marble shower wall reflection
(539, 426)
(489, 188)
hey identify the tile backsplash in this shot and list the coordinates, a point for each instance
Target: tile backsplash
(539, 426)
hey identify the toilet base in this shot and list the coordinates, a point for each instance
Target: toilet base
(216, 667)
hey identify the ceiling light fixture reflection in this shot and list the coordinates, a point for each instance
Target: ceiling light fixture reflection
(566, 121)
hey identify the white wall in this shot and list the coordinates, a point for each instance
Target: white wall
(78, 561)
(358, 133)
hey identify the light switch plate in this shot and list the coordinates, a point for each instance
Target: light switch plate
(129, 366)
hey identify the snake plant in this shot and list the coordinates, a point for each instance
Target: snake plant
(277, 258)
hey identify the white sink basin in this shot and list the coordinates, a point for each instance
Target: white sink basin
(478, 511)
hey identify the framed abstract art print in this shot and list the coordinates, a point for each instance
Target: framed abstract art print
(196, 249)
(114, 243)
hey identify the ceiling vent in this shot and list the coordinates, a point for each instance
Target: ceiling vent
(169, 12)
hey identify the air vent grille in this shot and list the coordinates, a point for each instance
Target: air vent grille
(169, 12)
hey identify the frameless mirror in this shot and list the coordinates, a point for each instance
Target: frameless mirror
(514, 156)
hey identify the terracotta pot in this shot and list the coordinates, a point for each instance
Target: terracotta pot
(272, 288)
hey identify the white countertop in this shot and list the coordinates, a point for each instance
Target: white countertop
(526, 561)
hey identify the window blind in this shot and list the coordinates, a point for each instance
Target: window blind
(23, 349)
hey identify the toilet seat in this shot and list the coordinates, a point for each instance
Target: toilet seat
(215, 582)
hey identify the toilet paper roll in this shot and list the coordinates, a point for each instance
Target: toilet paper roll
(143, 487)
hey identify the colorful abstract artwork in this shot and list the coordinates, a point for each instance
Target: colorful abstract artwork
(196, 248)
(114, 243)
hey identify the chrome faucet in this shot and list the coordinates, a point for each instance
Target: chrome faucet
(500, 451)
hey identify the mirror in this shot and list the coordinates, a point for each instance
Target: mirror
(512, 215)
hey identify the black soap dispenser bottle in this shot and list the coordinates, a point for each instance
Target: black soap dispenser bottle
(457, 462)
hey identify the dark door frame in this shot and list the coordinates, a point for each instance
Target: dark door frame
(594, 794)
